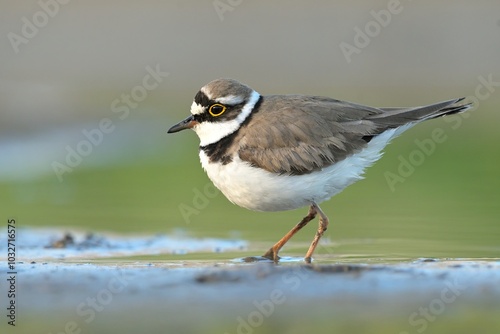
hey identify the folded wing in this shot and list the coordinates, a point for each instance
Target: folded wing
(302, 134)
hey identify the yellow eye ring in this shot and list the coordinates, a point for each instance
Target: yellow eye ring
(217, 109)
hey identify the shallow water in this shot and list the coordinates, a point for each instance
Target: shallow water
(55, 245)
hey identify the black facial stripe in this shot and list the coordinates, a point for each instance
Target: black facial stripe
(231, 113)
(217, 152)
(203, 100)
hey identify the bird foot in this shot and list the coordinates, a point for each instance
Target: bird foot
(272, 255)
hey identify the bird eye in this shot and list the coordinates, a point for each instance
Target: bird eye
(216, 109)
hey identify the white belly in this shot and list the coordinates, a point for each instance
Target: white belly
(257, 189)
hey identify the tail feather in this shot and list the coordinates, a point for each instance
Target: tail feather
(394, 117)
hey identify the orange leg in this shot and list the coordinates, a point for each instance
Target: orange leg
(272, 253)
(323, 225)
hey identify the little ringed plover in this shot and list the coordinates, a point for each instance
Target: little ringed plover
(282, 152)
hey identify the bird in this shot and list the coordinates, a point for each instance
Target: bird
(283, 152)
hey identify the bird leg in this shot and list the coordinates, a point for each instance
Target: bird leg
(323, 225)
(272, 253)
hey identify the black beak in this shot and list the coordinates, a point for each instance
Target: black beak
(188, 123)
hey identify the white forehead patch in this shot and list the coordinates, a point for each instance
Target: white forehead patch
(206, 92)
(230, 100)
(196, 109)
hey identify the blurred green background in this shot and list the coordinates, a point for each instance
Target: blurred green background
(65, 75)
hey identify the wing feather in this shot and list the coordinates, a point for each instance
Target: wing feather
(300, 134)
